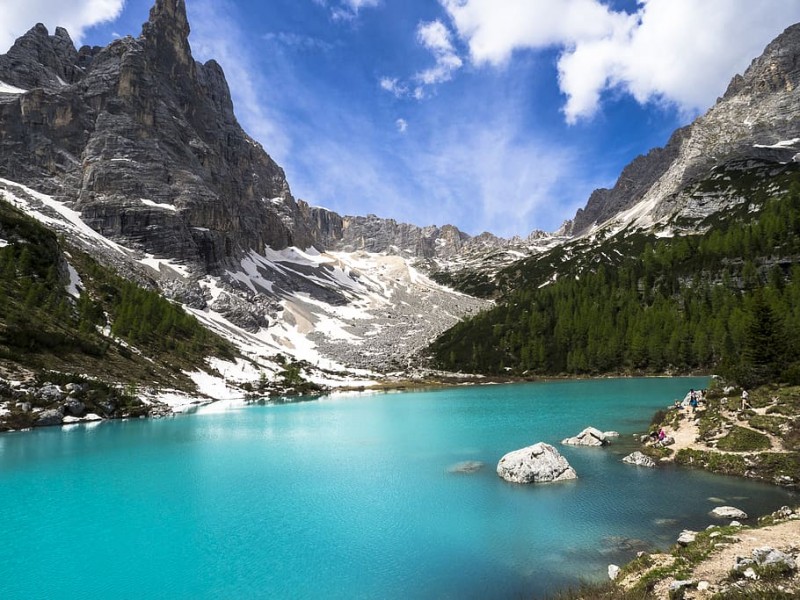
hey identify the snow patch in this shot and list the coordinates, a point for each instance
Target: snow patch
(779, 145)
(68, 218)
(75, 284)
(5, 88)
(147, 202)
(3, 243)
(165, 266)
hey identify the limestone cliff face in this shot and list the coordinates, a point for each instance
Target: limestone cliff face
(144, 140)
(760, 109)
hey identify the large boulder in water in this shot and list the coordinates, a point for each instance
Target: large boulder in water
(540, 463)
(588, 437)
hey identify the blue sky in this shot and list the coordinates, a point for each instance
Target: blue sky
(498, 115)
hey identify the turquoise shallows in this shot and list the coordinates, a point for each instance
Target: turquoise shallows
(346, 497)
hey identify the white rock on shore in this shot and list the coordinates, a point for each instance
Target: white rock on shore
(728, 512)
(540, 463)
(588, 437)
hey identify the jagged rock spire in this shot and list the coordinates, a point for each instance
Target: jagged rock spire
(167, 31)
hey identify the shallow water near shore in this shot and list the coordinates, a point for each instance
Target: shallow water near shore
(347, 497)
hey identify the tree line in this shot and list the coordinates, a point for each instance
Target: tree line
(725, 301)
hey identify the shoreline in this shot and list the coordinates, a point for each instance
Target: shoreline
(166, 403)
(722, 561)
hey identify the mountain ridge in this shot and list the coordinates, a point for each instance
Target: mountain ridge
(142, 143)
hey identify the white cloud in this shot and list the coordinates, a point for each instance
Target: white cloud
(402, 125)
(393, 85)
(681, 52)
(437, 38)
(18, 16)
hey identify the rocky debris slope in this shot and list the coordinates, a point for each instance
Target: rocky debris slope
(540, 463)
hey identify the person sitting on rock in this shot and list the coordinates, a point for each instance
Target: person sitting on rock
(661, 434)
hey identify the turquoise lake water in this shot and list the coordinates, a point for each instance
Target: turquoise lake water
(347, 497)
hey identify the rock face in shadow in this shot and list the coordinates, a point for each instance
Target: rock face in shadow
(540, 463)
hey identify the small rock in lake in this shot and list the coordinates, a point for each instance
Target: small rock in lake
(640, 460)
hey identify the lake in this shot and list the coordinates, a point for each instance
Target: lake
(347, 497)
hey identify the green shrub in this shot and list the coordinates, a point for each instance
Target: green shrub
(740, 439)
(767, 423)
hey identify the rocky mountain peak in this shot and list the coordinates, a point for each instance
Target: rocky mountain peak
(38, 59)
(166, 33)
(757, 119)
(776, 70)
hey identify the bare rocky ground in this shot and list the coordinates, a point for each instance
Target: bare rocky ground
(722, 562)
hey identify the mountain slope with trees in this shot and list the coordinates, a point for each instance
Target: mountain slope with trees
(727, 299)
(61, 310)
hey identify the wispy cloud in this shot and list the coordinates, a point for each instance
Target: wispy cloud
(215, 34)
(435, 37)
(393, 85)
(346, 10)
(76, 16)
(297, 41)
(487, 174)
(402, 125)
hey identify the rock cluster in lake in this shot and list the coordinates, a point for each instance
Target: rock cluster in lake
(589, 437)
(540, 463)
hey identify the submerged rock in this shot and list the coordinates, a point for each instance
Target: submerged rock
(588, 437)
(640, 460)
(540, 463)
(466, 467)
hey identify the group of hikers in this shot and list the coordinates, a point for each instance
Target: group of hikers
(692, 399)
